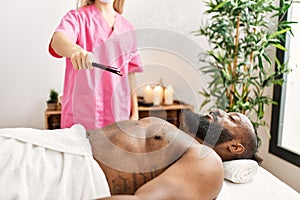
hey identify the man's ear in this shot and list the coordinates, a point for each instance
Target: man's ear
(236, 148)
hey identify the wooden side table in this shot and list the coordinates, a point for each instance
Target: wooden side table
(52, 119)
(171, 113)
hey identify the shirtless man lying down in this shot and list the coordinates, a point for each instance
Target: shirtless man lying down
(140, 160)
(152, 159)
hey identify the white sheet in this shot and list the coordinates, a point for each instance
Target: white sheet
(48, 164)
(264, 186)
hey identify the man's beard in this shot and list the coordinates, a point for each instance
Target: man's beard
(211, 133)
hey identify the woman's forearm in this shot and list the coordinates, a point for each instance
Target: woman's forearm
(63, 46)
(134, 101)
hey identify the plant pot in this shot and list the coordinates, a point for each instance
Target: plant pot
(51, 106)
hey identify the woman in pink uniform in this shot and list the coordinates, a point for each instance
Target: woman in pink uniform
(94, 97)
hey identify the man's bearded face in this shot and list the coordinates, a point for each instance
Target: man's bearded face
(210, 132)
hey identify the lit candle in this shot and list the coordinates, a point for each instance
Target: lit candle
(157, 95)
(148, 94)
(169, 95)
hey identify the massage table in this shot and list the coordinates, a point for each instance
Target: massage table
(263, 186)
(60, 165)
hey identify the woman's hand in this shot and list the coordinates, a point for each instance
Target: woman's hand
(81, 59)
(134, 117)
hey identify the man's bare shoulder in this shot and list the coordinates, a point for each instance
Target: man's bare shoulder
(198, 174)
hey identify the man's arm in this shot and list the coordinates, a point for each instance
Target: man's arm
(193, 176)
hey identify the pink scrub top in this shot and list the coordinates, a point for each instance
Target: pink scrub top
(96, 98)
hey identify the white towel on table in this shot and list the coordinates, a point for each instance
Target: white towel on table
(48, 164)
(240, 171)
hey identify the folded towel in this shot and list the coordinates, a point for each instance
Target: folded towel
(240, 171)
(49, 164)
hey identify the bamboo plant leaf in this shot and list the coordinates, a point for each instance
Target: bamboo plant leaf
(239, 63)
(283, 31)
(279, 46)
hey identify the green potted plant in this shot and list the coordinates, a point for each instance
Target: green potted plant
(52, 103)
(240, 65)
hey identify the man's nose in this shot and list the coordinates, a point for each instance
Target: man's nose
(220, 112)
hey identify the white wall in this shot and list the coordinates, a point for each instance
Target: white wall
(169, 50)
(28, 72)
